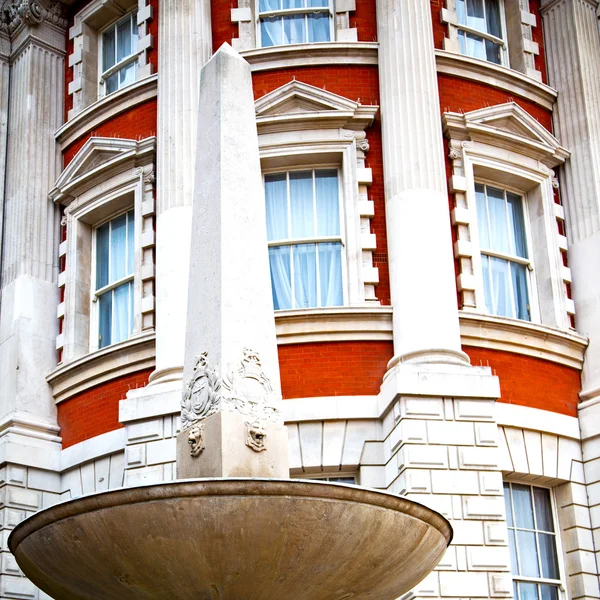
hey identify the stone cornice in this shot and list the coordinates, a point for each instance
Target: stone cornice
(14, 16)
(548, 5)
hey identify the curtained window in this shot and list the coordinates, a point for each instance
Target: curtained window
(481, 29)
(294, 21)
(305, 245)
(114, 279)
(119, 54)
(532, 542)
(505, 260)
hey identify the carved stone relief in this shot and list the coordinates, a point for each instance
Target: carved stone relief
(30, 12)
(256, 436)
(196, 440)
(245, 389)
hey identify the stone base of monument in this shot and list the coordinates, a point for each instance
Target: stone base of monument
(229, 444)
(231, 539)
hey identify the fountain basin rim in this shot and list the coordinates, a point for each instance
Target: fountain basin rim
(239, 486)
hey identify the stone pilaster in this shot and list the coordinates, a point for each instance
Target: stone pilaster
(184, 47)
(572, 42)
(4, 89)
(418, 224)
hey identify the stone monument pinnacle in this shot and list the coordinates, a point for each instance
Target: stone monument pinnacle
(231, 422)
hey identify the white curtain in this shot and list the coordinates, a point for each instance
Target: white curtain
(105, 319)
(120, 329)
(118, 248)
(294, 29)
(305, 275)
(328, 210)
(318, 27)
(277, 207)
(281, 282)
(502, 300)
(102, 254)
(301, 204)
(498, 220)
(130, 243)
(330, 274)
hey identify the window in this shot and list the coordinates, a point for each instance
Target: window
(294, 22)
(532, 540)
(114, 279)
(119, 54)
(504, 255)
(305, 244)
(481, 29)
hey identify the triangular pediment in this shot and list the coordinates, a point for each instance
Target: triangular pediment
(98, 157)
(298, 97)
(508, 126)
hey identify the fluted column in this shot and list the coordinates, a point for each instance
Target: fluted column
(4, 88)
(28, 324)
(184, 47)
(572, 44)
(422, 276)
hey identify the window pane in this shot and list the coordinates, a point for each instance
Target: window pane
(492, 17)
(294, 29)
(548, 555)
(508, 505)
(328, 210)
(475, 15)
(124, 39)
(549, 592)
(521, 495)
(268, 5)
(108, 49)
(461, 12)
(112, 83)
(516, 225)
(271, 32)
(543, 510)
(301, 201)
(104, 319)
(277, 206)
(348, 480)
(293, 4)
(502, 298)
(305, 275)
(102, 244)
(318, 3)
(473, 46)
(528, 558)
(127, 75)
(512, 542)
(528, 591)
(498, 220)
(118, 248)
(318, 27)
(130, 244)
(330, 274)
(482, 217)
(120, 330)
(281, 283)
(487, 286)
(493, 52)
(519, 282)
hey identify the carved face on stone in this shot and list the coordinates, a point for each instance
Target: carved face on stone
(196, 440)
(256, 436)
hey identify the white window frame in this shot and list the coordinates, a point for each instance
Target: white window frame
(131, 58)
(291, 12)
(534, 312)
(92, 196)
(503, 42)
(559, 583)
(316, 240)
(96, 293)
(507, 148)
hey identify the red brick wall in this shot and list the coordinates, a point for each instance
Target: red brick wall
(223, 30)
(137, 123)
(537, 34)
(333, 368)
(96, 410)
(439, 29)
(365, 20)
(529, 381)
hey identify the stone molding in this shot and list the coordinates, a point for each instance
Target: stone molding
(536, 419)
(94, 448)
(303, 55)
(124, 358)
(506, 146)
(301, 124)
(106, 109)
(500, 77)
(31, 13)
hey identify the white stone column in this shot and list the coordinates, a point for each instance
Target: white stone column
(422, 275)
(572, 43)
(184, 46)
(4, 87)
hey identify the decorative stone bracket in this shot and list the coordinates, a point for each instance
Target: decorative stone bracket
(31, 12)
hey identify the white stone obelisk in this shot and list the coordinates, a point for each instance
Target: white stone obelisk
(422, 278)
(230, 417)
